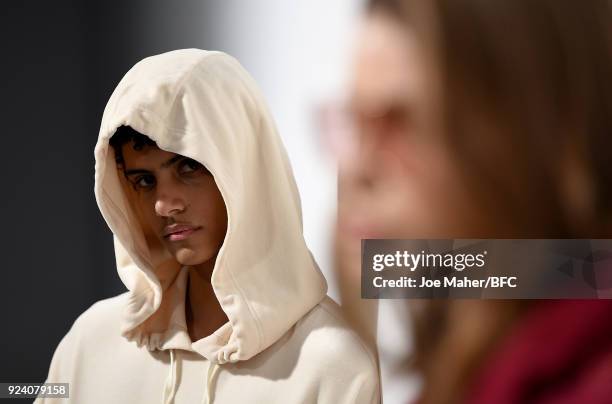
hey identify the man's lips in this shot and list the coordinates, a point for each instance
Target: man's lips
(177, 232)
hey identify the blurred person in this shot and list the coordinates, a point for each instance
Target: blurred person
(472, 119)
(225, 302)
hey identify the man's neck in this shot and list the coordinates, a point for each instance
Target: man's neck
(203, 312)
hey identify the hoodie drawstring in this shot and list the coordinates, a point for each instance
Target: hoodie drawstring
(212, 367)
(170, 386)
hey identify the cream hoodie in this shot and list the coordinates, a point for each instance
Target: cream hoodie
(285, 341)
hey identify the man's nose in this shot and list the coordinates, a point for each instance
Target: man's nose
(169, 204)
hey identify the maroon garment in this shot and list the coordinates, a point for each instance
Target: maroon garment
(560, 352)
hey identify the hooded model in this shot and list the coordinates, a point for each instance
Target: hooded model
(285, 341)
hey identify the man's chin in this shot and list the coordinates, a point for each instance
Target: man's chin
(189, 256)
(186, 256)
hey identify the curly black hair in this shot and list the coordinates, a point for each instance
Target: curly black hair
(124, 135)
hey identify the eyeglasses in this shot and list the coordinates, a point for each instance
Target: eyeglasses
(347, 131)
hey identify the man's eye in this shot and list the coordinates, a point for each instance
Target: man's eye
(144, 182)
(189, 165)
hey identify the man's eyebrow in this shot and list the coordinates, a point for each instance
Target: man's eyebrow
(136, 171)
(165, 164)
(171, 161)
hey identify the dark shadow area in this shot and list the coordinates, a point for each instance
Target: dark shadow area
(60, 63)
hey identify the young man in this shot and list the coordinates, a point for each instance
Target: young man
(225, 303)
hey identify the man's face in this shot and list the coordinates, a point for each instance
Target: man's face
(179, 200)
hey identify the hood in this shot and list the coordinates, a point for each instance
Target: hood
(205, 106)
